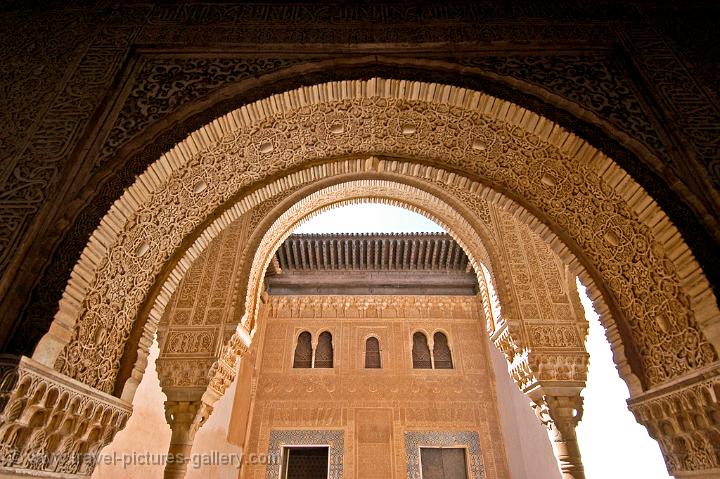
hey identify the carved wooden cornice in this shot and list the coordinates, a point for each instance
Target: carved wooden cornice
(412, 263)
(372, 252)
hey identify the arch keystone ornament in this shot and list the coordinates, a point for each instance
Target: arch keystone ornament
(596, 218)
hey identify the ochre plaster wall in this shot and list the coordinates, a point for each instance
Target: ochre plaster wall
(146, 432)
(509, 428)
(397, 398)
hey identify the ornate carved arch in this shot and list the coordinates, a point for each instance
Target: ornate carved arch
(589, 210)
(302, 195)
(557, 176)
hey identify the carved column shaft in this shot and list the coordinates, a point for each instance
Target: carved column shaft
(561, 415)
(190, 405)
(184, 418)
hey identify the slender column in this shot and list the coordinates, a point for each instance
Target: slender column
(184, 418)
(561, 414)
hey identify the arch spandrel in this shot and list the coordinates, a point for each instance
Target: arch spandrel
(571, 187)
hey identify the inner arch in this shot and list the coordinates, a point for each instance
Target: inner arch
(378, 191)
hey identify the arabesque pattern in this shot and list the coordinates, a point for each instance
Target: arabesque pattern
(503, 145)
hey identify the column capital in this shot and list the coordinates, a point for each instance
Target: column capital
(188, 415)
(560, 413)
(45, 417)
(683, 418)
(560, 410)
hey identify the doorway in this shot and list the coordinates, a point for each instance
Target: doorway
(309, 462)
(443, 463)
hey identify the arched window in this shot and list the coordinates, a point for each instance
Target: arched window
(421, 352)
(303, 351)
(372, 353)
(441, 352)
(324, 351)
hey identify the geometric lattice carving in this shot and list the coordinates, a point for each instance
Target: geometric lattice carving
(183, 80)
(324, 351)
(372, 353)
(610, 97)
(442, 358)
(421, 352)
(303, 351)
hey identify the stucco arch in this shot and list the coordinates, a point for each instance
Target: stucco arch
(380, 191)
(299, 196)
(308, 201)
(596, 209)
(413, 193)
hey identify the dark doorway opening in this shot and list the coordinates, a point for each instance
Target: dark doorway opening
(306, 463)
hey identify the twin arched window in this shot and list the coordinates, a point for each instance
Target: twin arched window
(441, 357)
(323, 357)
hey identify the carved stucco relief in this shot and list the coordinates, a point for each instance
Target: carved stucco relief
(95, 47)
(248, 291)
(580, 192)
(51, 423)
(552, 273)
(684, 422)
